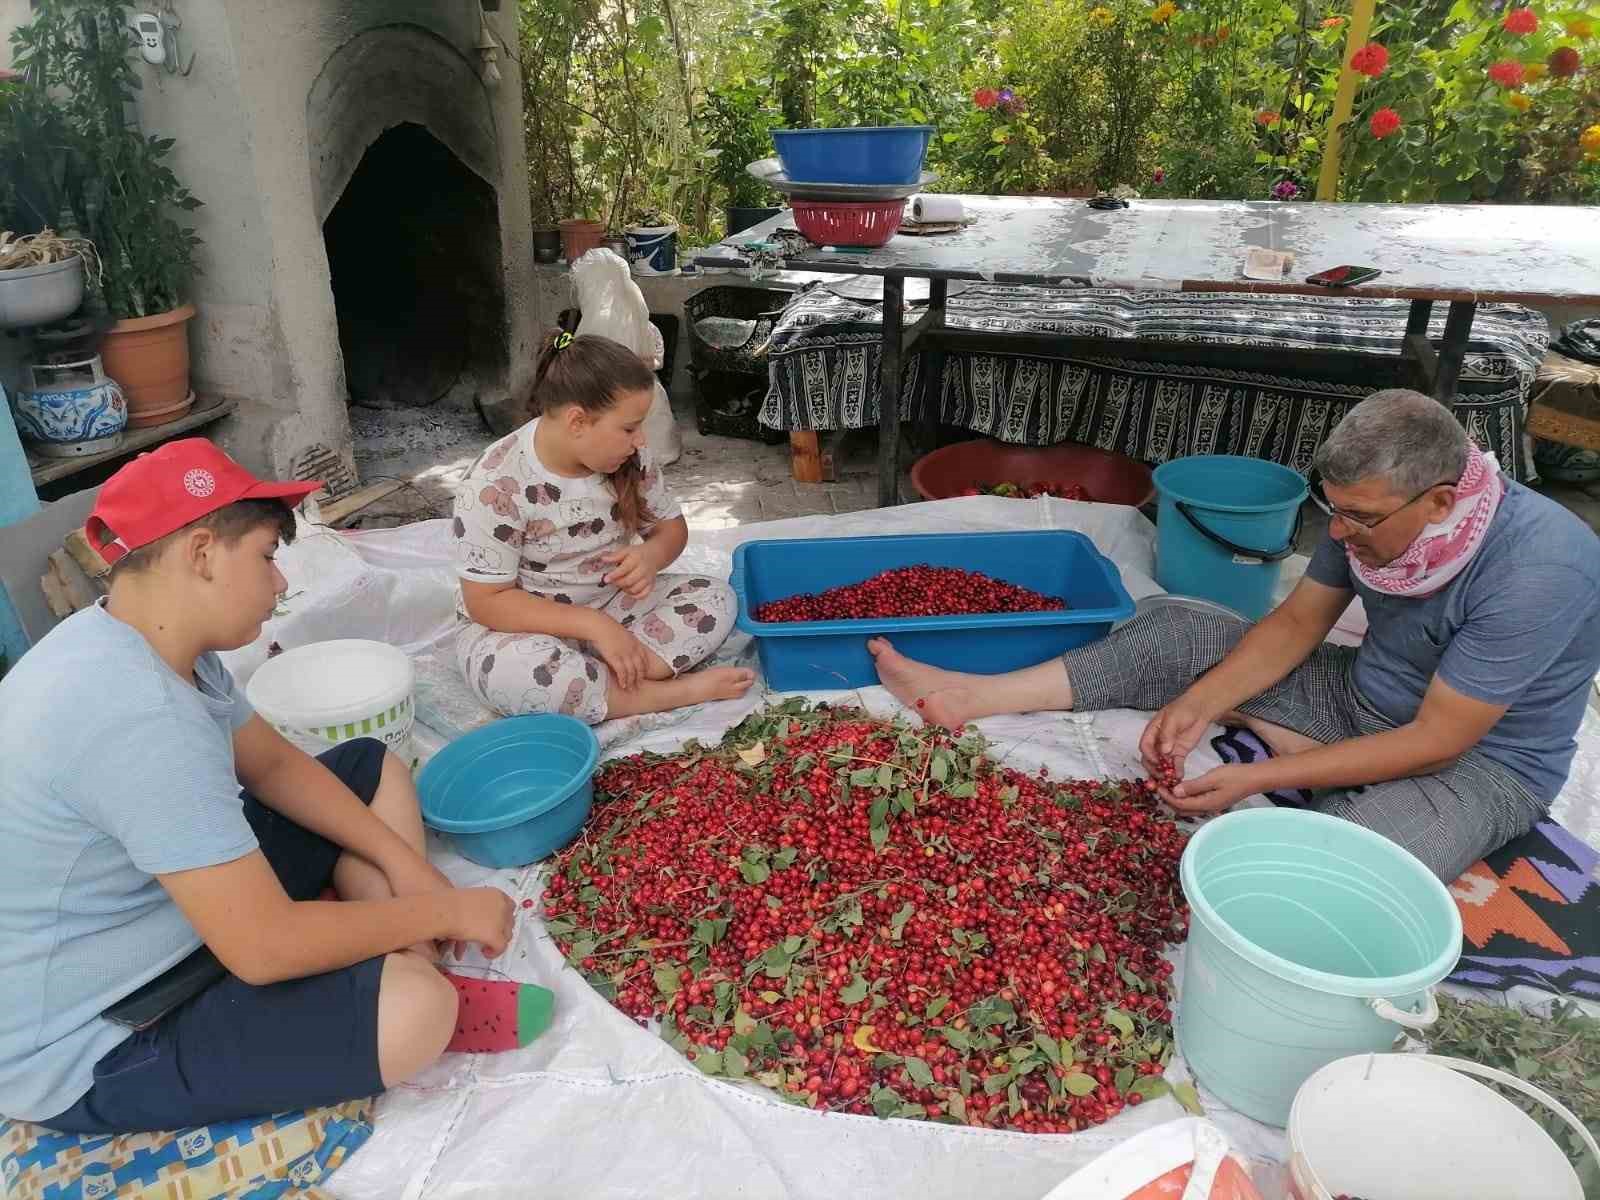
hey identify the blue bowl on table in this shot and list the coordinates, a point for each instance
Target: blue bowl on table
(886, 154)
(514, 791)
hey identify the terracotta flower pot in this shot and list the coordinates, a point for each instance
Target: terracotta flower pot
(580, 235)
(149, 357)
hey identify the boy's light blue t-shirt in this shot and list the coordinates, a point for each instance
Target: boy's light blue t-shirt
(115, 771)
(1520, 626)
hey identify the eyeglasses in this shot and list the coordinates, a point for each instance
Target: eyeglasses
(1320, 498)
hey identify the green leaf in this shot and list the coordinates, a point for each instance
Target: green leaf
(935, 1006)
(754, 872)
(956, 1105)
(963, 790)
(862, 776)
(1120, 1021)
(1050, 1047)
(1124, 1079)
(785, 858)
(897, 923)
(885, 777)
(879, 813)
(885, 1101)
(734, 1064)
(854, 992)
(582, 949)
(921, 1074)
(666, 979)
(1150, 1087)
(1188, 1097)
(998, 1082)
(709, 1061)
(1079, 1084)
(940, 767)
(880, 836)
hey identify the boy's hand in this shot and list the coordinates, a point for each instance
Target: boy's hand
(623, 653)
(634, 572)
(414, 875)
(484, 915)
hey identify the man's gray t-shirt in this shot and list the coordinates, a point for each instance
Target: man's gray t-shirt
(1519, 626)
(115, 771)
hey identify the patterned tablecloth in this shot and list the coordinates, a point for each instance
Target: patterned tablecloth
(824, 357)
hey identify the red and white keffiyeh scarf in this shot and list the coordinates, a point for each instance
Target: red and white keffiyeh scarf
(1442, 551)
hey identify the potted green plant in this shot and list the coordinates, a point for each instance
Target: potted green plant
(122, 195)
(738, 121)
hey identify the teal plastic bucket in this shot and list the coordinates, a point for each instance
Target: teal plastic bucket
(1310, 939)
(1224, 525)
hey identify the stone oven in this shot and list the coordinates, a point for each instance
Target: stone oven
(366, 220)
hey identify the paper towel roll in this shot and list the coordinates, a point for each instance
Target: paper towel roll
(937, 210)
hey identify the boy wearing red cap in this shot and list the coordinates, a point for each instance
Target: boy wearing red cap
(164, 959)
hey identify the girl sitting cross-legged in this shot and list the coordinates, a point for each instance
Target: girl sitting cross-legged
(561, 531)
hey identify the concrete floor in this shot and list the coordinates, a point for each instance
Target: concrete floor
(719, 481)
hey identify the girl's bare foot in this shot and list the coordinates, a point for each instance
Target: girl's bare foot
(697, 687)
(939, 697)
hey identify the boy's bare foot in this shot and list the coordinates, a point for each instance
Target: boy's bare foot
(939, 697)
(697, 687)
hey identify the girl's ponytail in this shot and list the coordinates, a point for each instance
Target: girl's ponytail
(592, 372)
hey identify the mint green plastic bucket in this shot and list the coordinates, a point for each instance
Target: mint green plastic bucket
(1310, 939)
(1224, 525)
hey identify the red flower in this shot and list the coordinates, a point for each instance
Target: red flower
(1370, 60)
(1266, 117)
(1508, 73)
(1384, 122)
(1564, 63)
(1520, 20)
(986, 98)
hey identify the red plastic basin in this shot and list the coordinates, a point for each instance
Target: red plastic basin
(1109, 478)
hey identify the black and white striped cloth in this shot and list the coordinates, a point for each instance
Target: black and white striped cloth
(824, 356)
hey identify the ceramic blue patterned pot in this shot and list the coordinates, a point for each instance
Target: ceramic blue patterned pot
(1565, 464)
(71, 410)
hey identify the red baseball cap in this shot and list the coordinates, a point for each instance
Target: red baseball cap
(162, 491)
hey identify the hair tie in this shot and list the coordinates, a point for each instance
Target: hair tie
(563, 340)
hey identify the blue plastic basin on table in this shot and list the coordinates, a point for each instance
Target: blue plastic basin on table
(513, 791)
(863, 154)
(822, 655)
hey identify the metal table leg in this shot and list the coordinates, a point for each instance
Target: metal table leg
(933, 360)
(889, 387)
(1457, 329)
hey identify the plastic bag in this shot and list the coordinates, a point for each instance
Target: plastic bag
(614, 307)
(1181, 1160)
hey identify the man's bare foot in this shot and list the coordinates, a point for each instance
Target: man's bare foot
(940, 697)
(698, 687)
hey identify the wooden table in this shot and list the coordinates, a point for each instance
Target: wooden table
(1463, 254)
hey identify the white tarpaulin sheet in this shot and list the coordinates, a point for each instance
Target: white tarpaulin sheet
(598, 1107)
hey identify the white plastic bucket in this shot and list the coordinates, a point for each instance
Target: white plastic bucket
(1188, 1159)
(652, 249)
(1414, 1127)
(326, 693)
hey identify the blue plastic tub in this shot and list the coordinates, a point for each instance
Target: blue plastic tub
(1224, 526)
(513, 791)
(1310, 939)
(822, 655)
(864, 154)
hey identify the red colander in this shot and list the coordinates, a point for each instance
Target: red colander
(835, 223)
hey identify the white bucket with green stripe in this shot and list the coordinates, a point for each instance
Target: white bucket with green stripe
(330, 692)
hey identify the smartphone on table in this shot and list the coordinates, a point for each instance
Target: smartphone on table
(1345, 276)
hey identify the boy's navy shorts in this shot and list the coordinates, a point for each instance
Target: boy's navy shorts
(240, 1051)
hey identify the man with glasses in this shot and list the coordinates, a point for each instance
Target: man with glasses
(1450, 729)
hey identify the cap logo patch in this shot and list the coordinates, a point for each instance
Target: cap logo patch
(199, 482)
